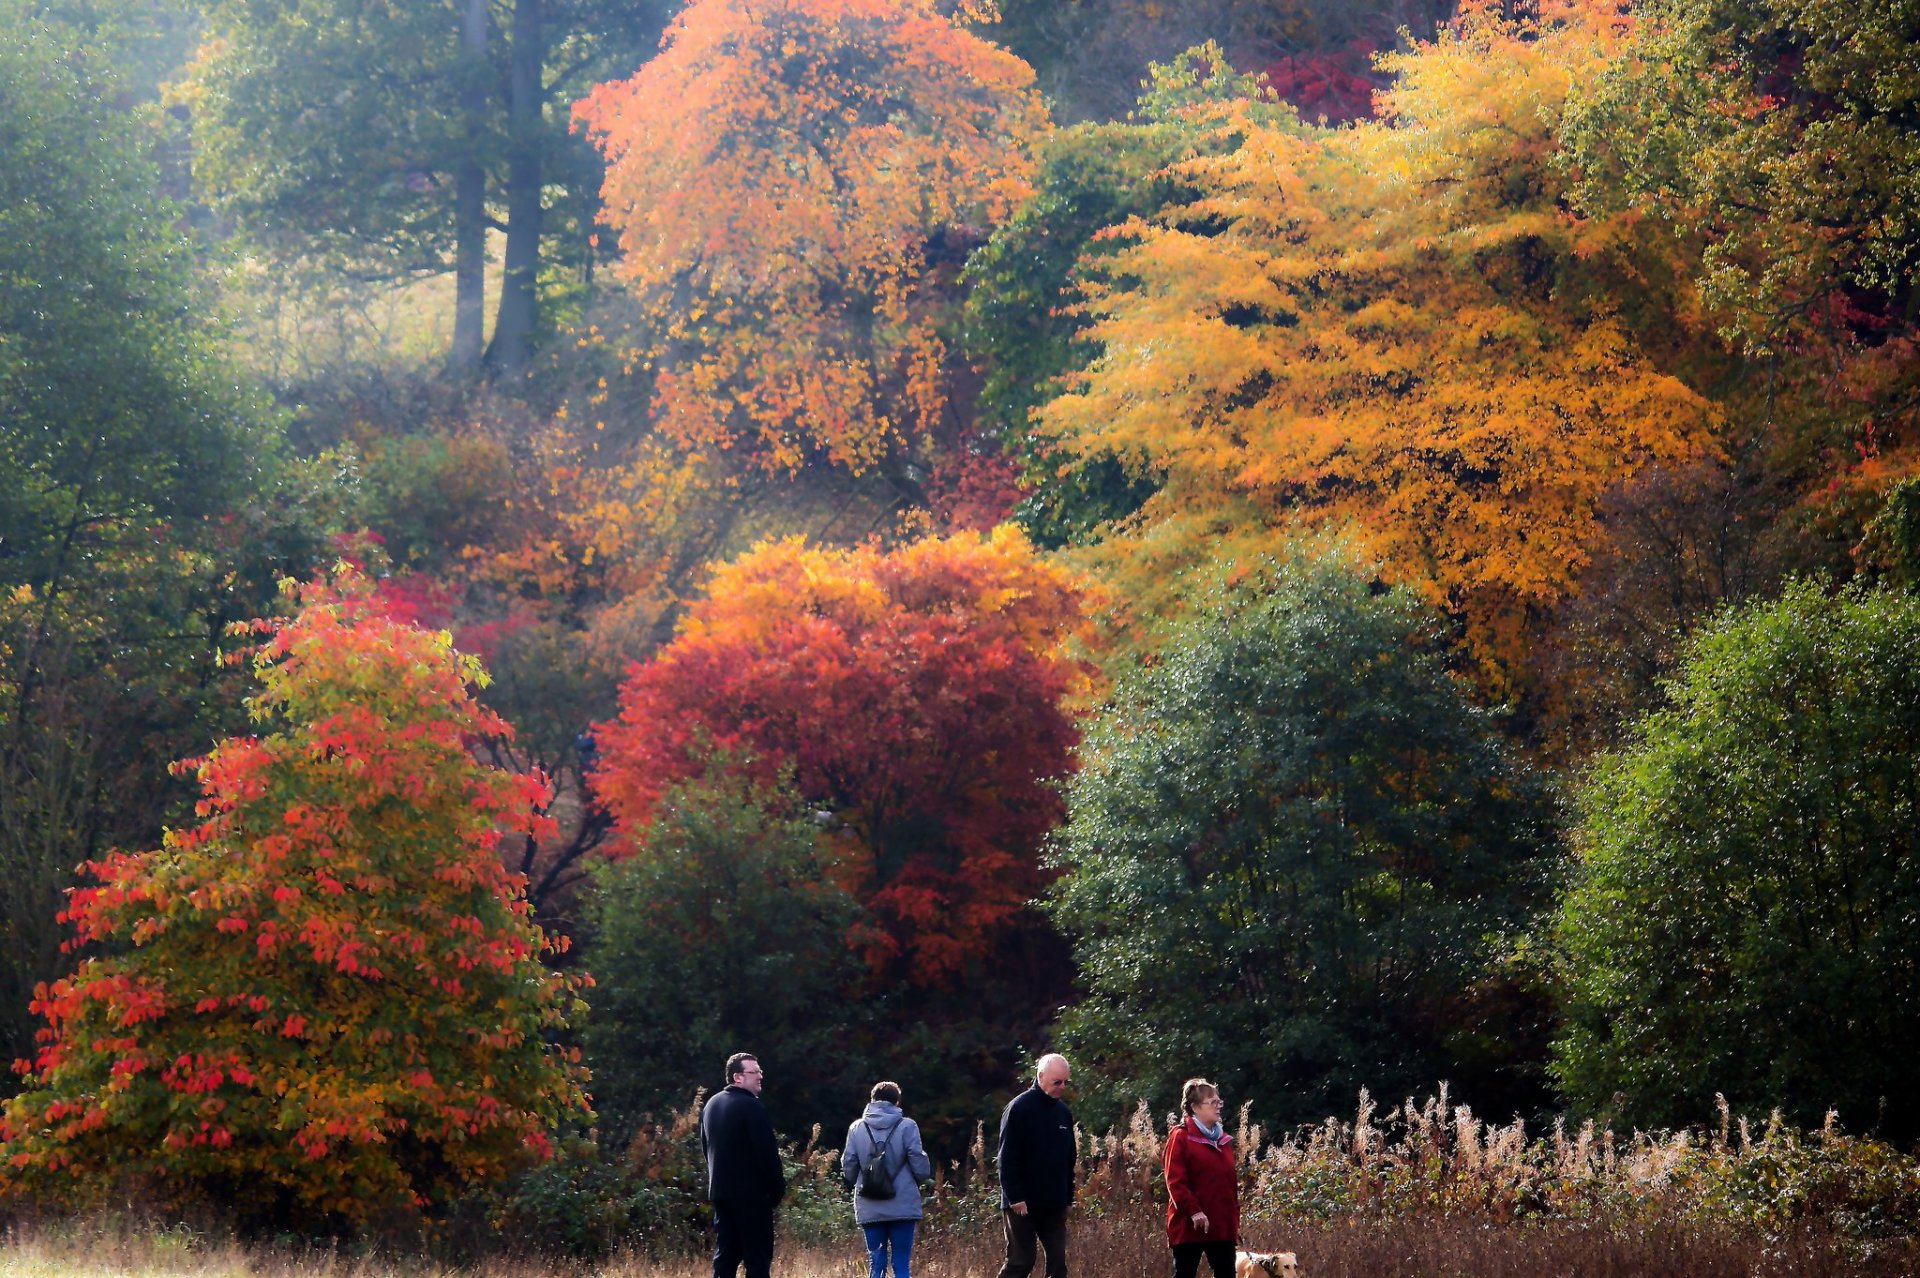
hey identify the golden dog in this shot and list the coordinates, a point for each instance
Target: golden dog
(1274, 1264)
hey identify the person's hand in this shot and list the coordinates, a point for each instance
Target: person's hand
(1199, 1219)
(1018, 1209)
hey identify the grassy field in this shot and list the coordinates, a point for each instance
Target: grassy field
(1101, 1248)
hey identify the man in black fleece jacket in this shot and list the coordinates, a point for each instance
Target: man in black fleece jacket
(744, 1177)
(1036, 1160)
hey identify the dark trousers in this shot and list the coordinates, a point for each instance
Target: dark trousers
(1186, 1259)
(742, 1234)
(1037, 1228)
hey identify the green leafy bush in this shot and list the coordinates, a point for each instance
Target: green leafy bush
(1741, 917)
(1290, 855)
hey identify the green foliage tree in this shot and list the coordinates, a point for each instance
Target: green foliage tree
(1741, 917)
(388, 139)
(147, 40)
(118, 411)
(1786, 129)
(726, 930)
(1020, 319)
(142, 499)
(1890, 545)
(324, 1004)
(1290, 855)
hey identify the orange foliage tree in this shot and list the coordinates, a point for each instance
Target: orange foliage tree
(325, 1002)
(793, 181)
(920, 695)
(1400, 326)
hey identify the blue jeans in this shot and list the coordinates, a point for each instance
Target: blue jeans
(894, 1236)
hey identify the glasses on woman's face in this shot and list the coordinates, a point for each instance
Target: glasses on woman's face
(1214, 1101)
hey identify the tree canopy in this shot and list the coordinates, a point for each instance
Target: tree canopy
(920, 697)
(1393, 326)
(325, 1002)
(120, 413)
(1740, 917)
(727, 924)
(790, 182)
(1290, 853)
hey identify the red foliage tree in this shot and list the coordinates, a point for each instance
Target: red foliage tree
(325, 1002)
(921, 695)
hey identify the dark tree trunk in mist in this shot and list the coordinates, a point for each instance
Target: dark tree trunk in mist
(470, 196)
(512, 347)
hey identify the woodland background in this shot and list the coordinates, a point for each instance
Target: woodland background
(1331, 546)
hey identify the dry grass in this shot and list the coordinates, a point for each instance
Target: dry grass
(1421, 1190)
(1105, 1247)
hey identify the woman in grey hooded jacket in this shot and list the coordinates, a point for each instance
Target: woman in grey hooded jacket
(889, 1221)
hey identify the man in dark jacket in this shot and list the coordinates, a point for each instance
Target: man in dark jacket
(744, 1178)
(1036, 1159)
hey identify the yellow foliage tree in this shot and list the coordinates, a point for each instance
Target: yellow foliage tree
(1400, 327)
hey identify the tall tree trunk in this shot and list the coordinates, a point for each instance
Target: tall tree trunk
(470, 196)
(512, 347)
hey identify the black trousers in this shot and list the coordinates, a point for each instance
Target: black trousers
(1186, 1259)
(1046, 1229)
(742, 1234)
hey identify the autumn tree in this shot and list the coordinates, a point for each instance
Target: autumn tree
(919, 697)
(1292, 851)
(1019, 320)
(1394, 326)
(1782, 138)
(325, 1002)
(793, 184)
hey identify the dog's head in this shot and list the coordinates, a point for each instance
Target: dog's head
(1275, 1264)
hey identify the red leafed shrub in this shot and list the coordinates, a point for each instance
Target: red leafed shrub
(324, 1004)
(920, 697)
(1333, 87)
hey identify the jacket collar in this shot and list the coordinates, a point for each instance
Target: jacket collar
(1194, 1132)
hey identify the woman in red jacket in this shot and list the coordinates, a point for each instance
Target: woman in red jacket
(1203, 1185)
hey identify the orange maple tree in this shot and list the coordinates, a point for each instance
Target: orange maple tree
(792, 182)
(325, 1002)
(921, 696)
(1399, 327)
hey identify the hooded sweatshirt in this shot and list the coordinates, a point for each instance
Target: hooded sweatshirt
(883, 1126)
